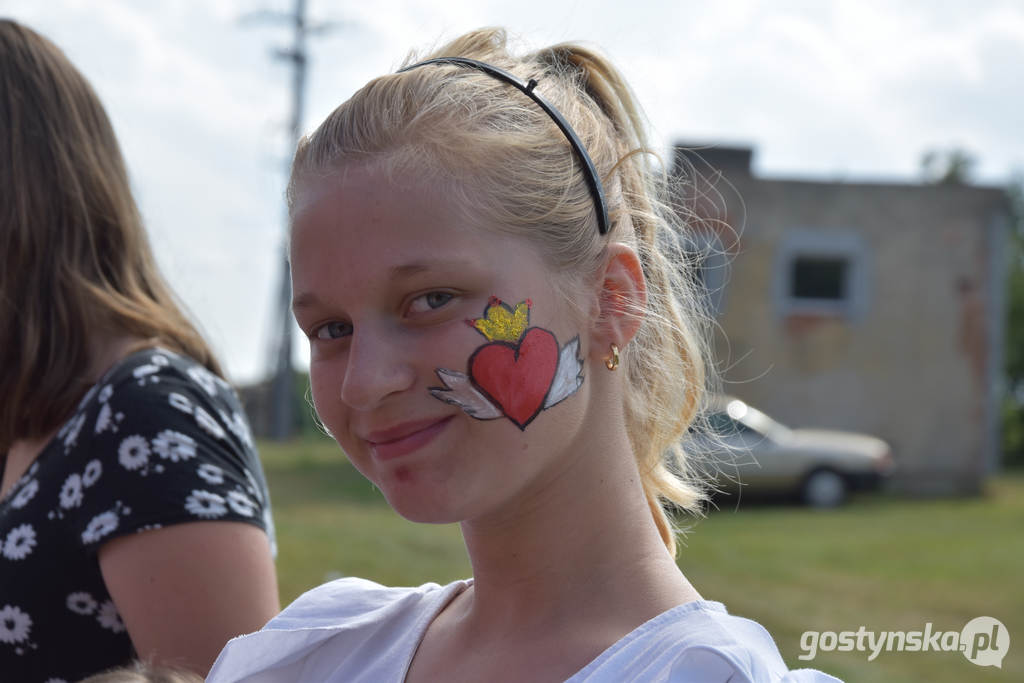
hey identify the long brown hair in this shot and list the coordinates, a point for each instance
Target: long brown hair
(74, 257)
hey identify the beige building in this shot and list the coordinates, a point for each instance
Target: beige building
(872, 307)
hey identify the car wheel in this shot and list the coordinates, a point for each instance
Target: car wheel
(823, 489)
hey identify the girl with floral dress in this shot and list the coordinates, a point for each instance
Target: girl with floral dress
(134, 515)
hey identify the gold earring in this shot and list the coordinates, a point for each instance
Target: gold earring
(612, 362)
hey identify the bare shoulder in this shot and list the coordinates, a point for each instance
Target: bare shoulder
(184, 590)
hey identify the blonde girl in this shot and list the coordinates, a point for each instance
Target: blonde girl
(503, 334)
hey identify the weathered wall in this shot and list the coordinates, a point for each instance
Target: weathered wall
(912, 363)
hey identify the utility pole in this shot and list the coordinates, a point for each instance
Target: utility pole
(282, 394)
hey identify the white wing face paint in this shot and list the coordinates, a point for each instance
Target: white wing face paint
(569, 376)
(458, 391)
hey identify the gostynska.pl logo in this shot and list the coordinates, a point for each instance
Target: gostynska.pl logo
(983, 641)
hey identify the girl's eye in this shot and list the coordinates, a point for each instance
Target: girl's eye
(334, 330)
(429, 302)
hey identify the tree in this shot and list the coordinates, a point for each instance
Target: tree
(947, 167)
(1013, 405)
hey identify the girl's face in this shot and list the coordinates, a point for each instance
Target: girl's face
(398, 295)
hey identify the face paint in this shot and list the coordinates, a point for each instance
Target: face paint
(520, 372)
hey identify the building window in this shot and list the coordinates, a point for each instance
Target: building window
(822, 273)
(815, 277)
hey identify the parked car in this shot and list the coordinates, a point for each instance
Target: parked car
(750, 452)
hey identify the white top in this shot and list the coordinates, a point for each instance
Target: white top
(354, 631)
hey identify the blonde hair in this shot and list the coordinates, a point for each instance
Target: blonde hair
(501, 157)
(74, 257)
(141, 672)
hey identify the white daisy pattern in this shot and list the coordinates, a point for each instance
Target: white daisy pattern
(165, 354)
(144, 371)
(210, 473)
(81, 602)
(174, 446)
(109, 618)
(241, 503)
(180, 402)
(103, 420)
(15, 625)
(132, 458)
(238, 426)
(133, 453)
(209, 423)
(27, 492)
(205, 504)
(93, 470)
(101, 525)
(20, 542)
(108, 420)
(71, 492)
(74, 427)
(204, 378)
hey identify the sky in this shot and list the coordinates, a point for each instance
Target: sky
(851, 90)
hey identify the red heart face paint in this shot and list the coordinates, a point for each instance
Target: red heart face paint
(517, 377)
(518, 374)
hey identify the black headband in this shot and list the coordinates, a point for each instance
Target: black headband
(593, 181)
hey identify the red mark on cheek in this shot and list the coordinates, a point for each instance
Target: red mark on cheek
(517, 378)
(402, 474)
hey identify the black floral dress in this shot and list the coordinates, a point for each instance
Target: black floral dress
(158, 441)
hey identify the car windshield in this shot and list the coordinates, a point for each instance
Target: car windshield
(756, 420)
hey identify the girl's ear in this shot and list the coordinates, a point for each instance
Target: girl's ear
(622, 299)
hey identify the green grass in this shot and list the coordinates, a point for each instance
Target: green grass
(881, 562)
(331, 522)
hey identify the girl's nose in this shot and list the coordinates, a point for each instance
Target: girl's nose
(375, 370)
